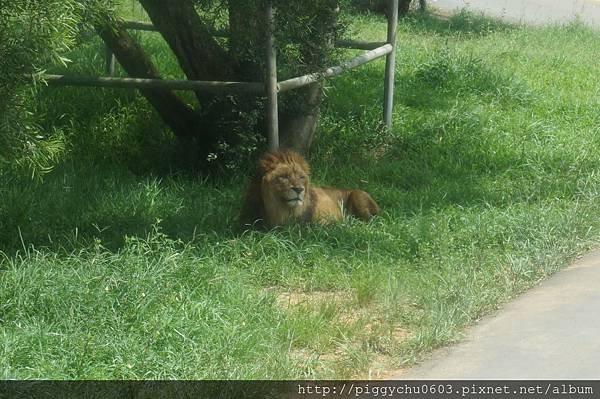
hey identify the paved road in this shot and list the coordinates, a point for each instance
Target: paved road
(550, 332)
(535, 12)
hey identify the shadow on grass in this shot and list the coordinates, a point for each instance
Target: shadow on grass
(77, 204)
(449, 148)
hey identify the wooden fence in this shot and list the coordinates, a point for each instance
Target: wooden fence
(271, 86)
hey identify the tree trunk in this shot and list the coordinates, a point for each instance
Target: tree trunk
(382, 6)
(201, 57)
(192, 42)
(173, 111)
(197, 51)
(298, 120)
(299, 123)
(403, 7)
(298, 127)
(242, 45)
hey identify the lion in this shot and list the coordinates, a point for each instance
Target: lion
(280, 193)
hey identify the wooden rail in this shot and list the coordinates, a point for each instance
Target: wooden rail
(355, 62)
(271, 87)
(171, 84)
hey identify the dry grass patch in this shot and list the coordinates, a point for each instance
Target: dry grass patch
(350, 329)
(289, 299)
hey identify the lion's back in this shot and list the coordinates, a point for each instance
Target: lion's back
(327, 204)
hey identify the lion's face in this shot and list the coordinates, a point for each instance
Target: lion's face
(288, 183)
(283, 181)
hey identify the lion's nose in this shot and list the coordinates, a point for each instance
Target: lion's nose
(298, 190)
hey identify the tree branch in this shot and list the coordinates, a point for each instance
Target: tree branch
(174, 112)
(199, 54)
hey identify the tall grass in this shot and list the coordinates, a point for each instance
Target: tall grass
(119, 265)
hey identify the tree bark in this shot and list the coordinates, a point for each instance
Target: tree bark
(198, 53)
(298, 127)
(201, 57)
(246, 24)
(300, 123)
(381, 6)
(403, 7)
(192, 42)
(173, 111)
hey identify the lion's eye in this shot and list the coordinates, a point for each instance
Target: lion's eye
(302, 177)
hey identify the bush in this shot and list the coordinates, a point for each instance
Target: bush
(35, 34)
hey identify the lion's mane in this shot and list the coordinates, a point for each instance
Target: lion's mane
(280, 193)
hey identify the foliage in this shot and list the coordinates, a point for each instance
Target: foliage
(33, 35)
(301, 29)
(36, 35)
(40, 35)
(304, 33)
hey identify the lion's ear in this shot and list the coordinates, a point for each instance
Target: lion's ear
(267, 163)
(294, 157)
(304, 165)
(271, 160)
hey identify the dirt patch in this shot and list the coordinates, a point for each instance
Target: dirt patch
(400, 334)
(306, 355)
(367, 330)
(381, 369)
(290, 299)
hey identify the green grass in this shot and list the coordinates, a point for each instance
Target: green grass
(117, 265)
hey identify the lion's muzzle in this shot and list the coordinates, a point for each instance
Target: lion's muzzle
(296, 198)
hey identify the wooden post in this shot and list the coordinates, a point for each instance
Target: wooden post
(272, 111)
(390, 64)
(110, 62)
